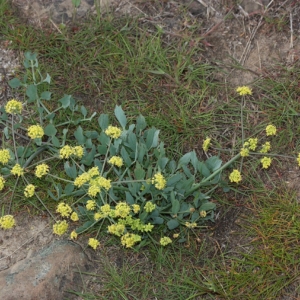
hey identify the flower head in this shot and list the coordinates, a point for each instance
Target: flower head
(7, 222)
(82, 179)
(13, 107)
(271, 130)
(116, 229)
(164, 241)
(252, 144)
(136, 208)
(244, 152)
(64, 209)
(266, 162)
(17, 170)
(129, 239)
(244, 90)
(35, 132)
(73, 235)
(74, 216)
(116, 161)
(93, 190)
(202, 213)
(206, 144)
(122, 210)
(190, 225)
(4, 156)
(93, 243)
(235, 176)
(159, 181)
(78, 151)
(113, 132)
(2, 181)
(93, 172)
(265, 147)
(149, 207)
(91, 205)
(66, 151)
(41, 170)
(29, 190)
(60, 227)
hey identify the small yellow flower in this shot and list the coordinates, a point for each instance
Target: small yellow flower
(244, 90)
(60, 227)
(17, 170)
(252, 144)
(41, 170)
(7, 222)
(136, 208)
(105, 209)
(82, 179)
(244, 152)
(74, 216)
(266, 162)
(78, 151)
(113, 132)
(13, 107)
(64, 209)
(206, 144)
(271, 130)
(116, 229)
(73, 235)
(190, 225)
(2, 182)
(122, 210)
(129, 239)
(202, 213)
(93, 243)
(93, 190)
(265, 147)
(164, 241)
(35, 132)
(175, 235)
(116, 161)
(159, 181)
(4, 156)
(98, 216)
(103, 182)
(66, 151)
(235, 176)
(91, 205)
(149, 207)
(93, 172)
(29, 190)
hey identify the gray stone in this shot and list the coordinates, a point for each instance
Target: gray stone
(47, 275)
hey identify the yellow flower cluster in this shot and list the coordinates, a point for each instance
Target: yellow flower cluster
(113, 132)
(122, 210)
(130, 239)
(159, 181)
(41, 170)
(298, 159)
(136, 208)
(190, 225)
(29, 190)
(60, 227)
(251, 144)
(136, 224)
(73, 235)
(271, 130)
(2, 182)
(244, 152)
(4, 156)
(64, 209)
(93, 172)
(116, 161)
(235, 176)
(266, 162)
(66, 151)
(82, 179)
(17, 170)
(149, 207)
(202, 213)
(265, 147)
(13, 107)
(206, 144)
(164, 241)
(74, 216)
(91, 205)
(7, 222)
(116, 229)
(96, 184)
(93, 243)
(244, 90)
(35, 132)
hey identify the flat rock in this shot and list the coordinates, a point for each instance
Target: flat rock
(47, 274)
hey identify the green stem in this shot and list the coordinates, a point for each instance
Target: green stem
(35, 154)
(13, 136)
(106, 154)
(59, 178)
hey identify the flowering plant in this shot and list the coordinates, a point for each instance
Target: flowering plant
(119, 176)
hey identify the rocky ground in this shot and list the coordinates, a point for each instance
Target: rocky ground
(36, 265)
